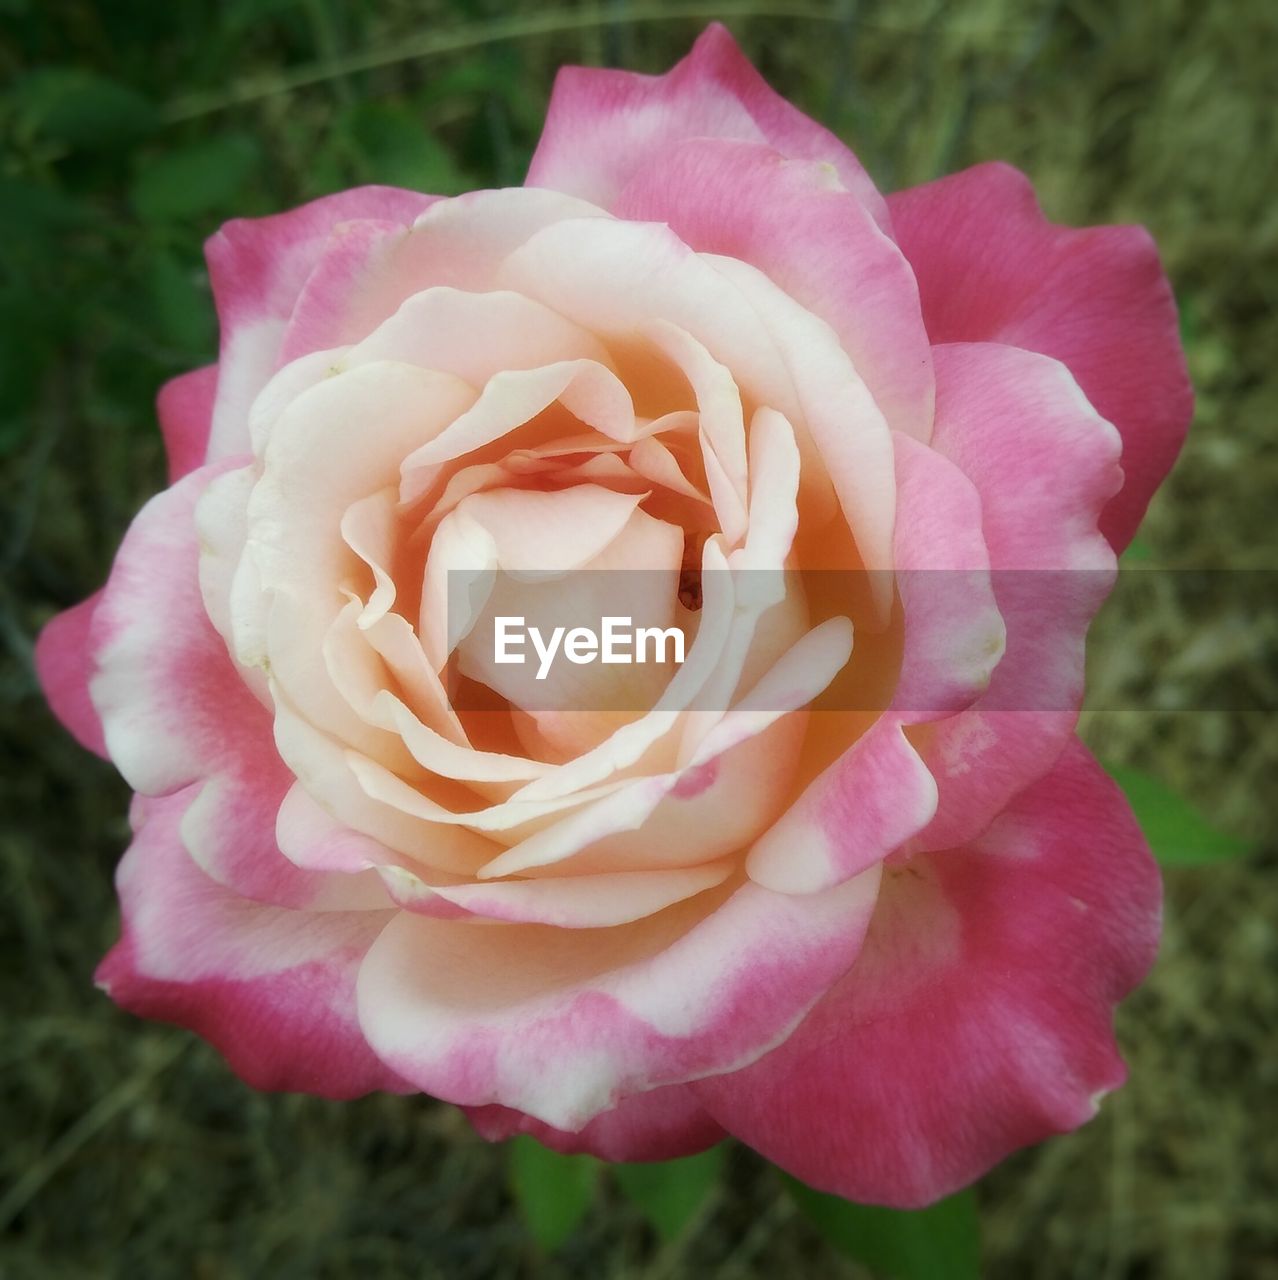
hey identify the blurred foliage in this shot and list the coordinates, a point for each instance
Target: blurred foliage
(1176, 831)
(553, 1192)
(130, 129)
(941, 1242)
(672, 1194)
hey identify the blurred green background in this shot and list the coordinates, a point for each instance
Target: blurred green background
(130, 130)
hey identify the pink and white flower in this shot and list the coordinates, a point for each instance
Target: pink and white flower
(882, 947)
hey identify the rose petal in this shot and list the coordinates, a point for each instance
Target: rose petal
(991, 268)
(721, 423)
(258, 267)
(571, 708)
(176, 712)
(866, 805)
(184, 407)
(954, 634)
(603, 126)
(384, 812)
(806, 232)
(1044, 463)
(584, 1018)
(319, 461)
(847, 426)
(362, 276)
(662, 1124)
(731, 781)
(272, 990)
(781, 355)
(565, 902)
(586, 389)
(64, 663)
(474, 336)
(978, 1016)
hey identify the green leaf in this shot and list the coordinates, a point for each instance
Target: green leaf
(195, 179)
(1177, 833)
(33, 216)
(23, 364)
(942, 1242)
(1138, 552)
(81, 109)
(394, 148)
(670, 1193)
(1187, 311)
(553, 1191)
(493, 78)
(181, 304)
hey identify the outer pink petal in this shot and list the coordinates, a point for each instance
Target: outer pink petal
(991, 268)
(64, 663)
(258, 267)
(978, 1017)
(272, 990)
(1044, 464)
(564, 1024)
(661, 1125)
(603, 126)
(185, 409)
(176, 711)
(796, 223)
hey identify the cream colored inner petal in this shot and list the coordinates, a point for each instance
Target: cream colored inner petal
(585, 388)
(512, 423)
(570, 559)
(661, 819)
(475, 336)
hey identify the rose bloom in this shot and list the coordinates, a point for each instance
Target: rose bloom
(881, 947)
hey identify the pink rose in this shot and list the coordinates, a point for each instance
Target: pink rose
(883, 948)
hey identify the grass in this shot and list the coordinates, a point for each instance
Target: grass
(129, 1150)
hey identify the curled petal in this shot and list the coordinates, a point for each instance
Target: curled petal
(514, 397)
(862, 808)
(731, 781)
(475, 336)
(722, 425)
(376, 814)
